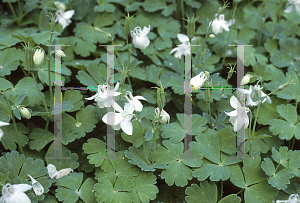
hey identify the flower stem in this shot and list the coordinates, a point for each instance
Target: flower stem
(155, 127)
(40, 21)
(240, 191)
(44, 102)
(226, 47)
(182, 14)
(144, 147)
(20, 8)
(221, 189)
(12, 9)
(50, 85)
(249, 129)
(256, 115)
(220, 103)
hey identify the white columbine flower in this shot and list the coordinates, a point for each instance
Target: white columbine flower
(184, 48)
(38, 56)
(53, 173)
(246, 79)
(251, 94)
(138, 106)
(122, 119)
(294, 198)
(2, 124)
(64, 17)
(238, 115)
(165, 116)
(60, 53)
(220, 23)
(140, 39)
(37, 187)
(198, 81)
(15, 193)
(293, 3)
(102, 98)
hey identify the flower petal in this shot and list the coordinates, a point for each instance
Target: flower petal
(21, 187)
(234, 102)
(51, 170)
(126, 126)
(182, 38)
(117, 118)
(68, 14)
(289, 9)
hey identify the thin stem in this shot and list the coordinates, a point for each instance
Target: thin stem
(279, 14)
(40, 21)
(155, 127)
(256, 115)
(12, 9)
(249, 129)
(182, 14)
(220, 103)
(293, 143)
(146, 157)
(240, 191)
(44, 102)
(250, 150)
(226, 47)
(26, 74)
(20, 8)
(221, 188)
(50, 85)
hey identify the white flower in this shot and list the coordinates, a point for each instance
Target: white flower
(122, 119)
(15, 193)
(2, 124)
(294, 198)
(251, 94)
(246, 79)
(38, 56)
(198, 81)
(37, 187)
(220, 23)
(140, 39)
(239, 116)
(138, 106)
(60, 53)
(25, 112)
(184, 48)
(293, 3)
(53, 173)
(165, 116)
(102, 98)
(60, 5)
(64, 17)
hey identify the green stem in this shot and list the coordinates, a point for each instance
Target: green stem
(50, 85)
(182, 14)
(12, 9)
(293, 143)
(256, 115)
(20, 8)
(250, 150)
(240, 191)
(277, 167)
(250, 122)
(226, 47)
(155, 127)
(220, 103)
(144, 147)
(40, 21)
(261, 26)
(44, 102)
(221, 188)
(279, 14)
(23, 70)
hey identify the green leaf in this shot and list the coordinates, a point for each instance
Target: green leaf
(75, 98)
(69, 189)
(5, 84)
(176, 131)
(39, 138)
(281, 59)
(286, 129)
(207, 192)
(28, 85)
(271, 46)
(282, 156)
(177, 170)
(96, 150)
(84, 48)
(110, 8)
(9, 60)
(154, 5)
(294, 162)
(10, 139)
(103, 19)
(233, 198)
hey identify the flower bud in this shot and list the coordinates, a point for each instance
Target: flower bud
(60, 6)
(25, 112)
(212, 36)
(28, 57)
(160, 96)
(60, 53)
(245, 80)
(165, 117)
(38, 56)
(127, 24)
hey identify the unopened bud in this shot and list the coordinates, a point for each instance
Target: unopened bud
(97, 29)
(165, 117)
(38, 56)
(60, 53)
(160, 97)
(60, 6)
(25, 112)
(190, 27)
(281, 87)
(212, 36)
(246, 79)
(127, 24)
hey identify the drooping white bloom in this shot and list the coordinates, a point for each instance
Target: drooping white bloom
(102, 98)
(53, 173)
(198, 81)
(165, 116)
(25, 112)
(2, 124)
(183, 48)
(294, 198)
(64, 17)
(60, 53)
(122, 119)
(138, 106)
(293, 3)
(37, 187)
(250, 94)
(15, 193)
(239, 116)
(140, 39)
(220, 23)
(38, 56)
